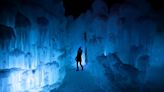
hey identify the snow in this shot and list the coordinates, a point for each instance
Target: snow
(80, 81)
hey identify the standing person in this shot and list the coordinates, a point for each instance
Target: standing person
(78, 58)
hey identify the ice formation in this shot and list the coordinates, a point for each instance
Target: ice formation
(122, 47)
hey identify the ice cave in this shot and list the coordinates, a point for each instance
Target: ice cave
(122, 43)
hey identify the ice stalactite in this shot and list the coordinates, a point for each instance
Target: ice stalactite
(22, 27)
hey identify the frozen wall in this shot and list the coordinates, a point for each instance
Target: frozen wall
(122, 45)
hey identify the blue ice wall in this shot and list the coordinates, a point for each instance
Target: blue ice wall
(122, 47)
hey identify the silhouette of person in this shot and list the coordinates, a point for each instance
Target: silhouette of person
(78, 58)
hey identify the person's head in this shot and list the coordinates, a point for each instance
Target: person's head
(80, 47)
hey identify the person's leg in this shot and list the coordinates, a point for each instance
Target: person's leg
(81, 65)
(77, 66)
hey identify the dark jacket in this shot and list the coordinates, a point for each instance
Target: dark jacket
(79, 54)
